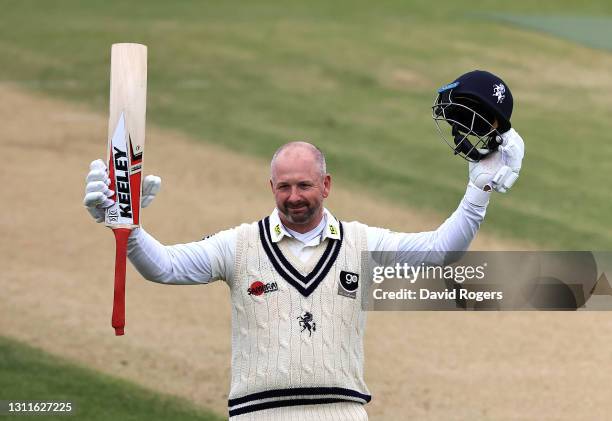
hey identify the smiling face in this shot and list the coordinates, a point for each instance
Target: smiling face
(299, 184)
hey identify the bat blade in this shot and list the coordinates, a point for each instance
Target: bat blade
(126, 132)
(125, 152)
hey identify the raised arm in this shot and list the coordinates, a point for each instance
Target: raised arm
(199, 262)
(498, 171)
(193, 263)
(432, 247)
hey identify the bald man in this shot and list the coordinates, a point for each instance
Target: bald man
(297, 320)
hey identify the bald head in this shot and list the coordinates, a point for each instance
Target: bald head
(302, 152)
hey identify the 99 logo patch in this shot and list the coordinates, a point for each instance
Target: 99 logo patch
(349, 282)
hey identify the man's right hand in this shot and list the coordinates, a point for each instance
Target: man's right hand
(499, 170)
(98, 195)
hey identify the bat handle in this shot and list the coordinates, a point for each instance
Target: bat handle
(121, 240)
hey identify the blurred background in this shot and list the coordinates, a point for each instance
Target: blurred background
(231, 81)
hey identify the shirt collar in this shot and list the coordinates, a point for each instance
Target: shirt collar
(278, 230)
(332, 227)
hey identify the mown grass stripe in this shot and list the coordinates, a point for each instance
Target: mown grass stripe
(28, 373)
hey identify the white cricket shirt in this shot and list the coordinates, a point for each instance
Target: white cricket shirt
(213, 257)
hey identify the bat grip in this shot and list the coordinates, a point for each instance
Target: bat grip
(121, 240)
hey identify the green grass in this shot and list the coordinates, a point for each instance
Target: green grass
(30, 374)
(593, 31)
(358, 79)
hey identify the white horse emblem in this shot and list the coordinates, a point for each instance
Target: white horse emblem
(499, 91)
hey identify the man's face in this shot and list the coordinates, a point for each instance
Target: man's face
(299, 188)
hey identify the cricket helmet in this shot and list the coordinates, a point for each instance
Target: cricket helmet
(478, 106)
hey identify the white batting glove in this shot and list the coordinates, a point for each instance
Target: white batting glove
(500, 170)
(150, 187)
(97, 194)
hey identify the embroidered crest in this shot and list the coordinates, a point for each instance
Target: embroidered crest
(306, 322)
(499, 91)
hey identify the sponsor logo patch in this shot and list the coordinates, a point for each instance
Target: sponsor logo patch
(259, 288)
(349, 282)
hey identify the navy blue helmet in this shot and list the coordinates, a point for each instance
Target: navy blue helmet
(478, 106)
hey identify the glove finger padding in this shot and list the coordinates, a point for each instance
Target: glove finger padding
(97, 164)
(97, 194)
(97, 200)
(513, 150)
(97, 175)
(99, 186)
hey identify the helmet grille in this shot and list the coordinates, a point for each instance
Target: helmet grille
(473, 126)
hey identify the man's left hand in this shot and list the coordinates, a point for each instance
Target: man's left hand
(500, 170)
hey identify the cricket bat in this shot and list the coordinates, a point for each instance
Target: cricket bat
(126, 140)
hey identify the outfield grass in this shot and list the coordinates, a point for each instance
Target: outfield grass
(30, 374)
(593, 31)
(358, 79)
